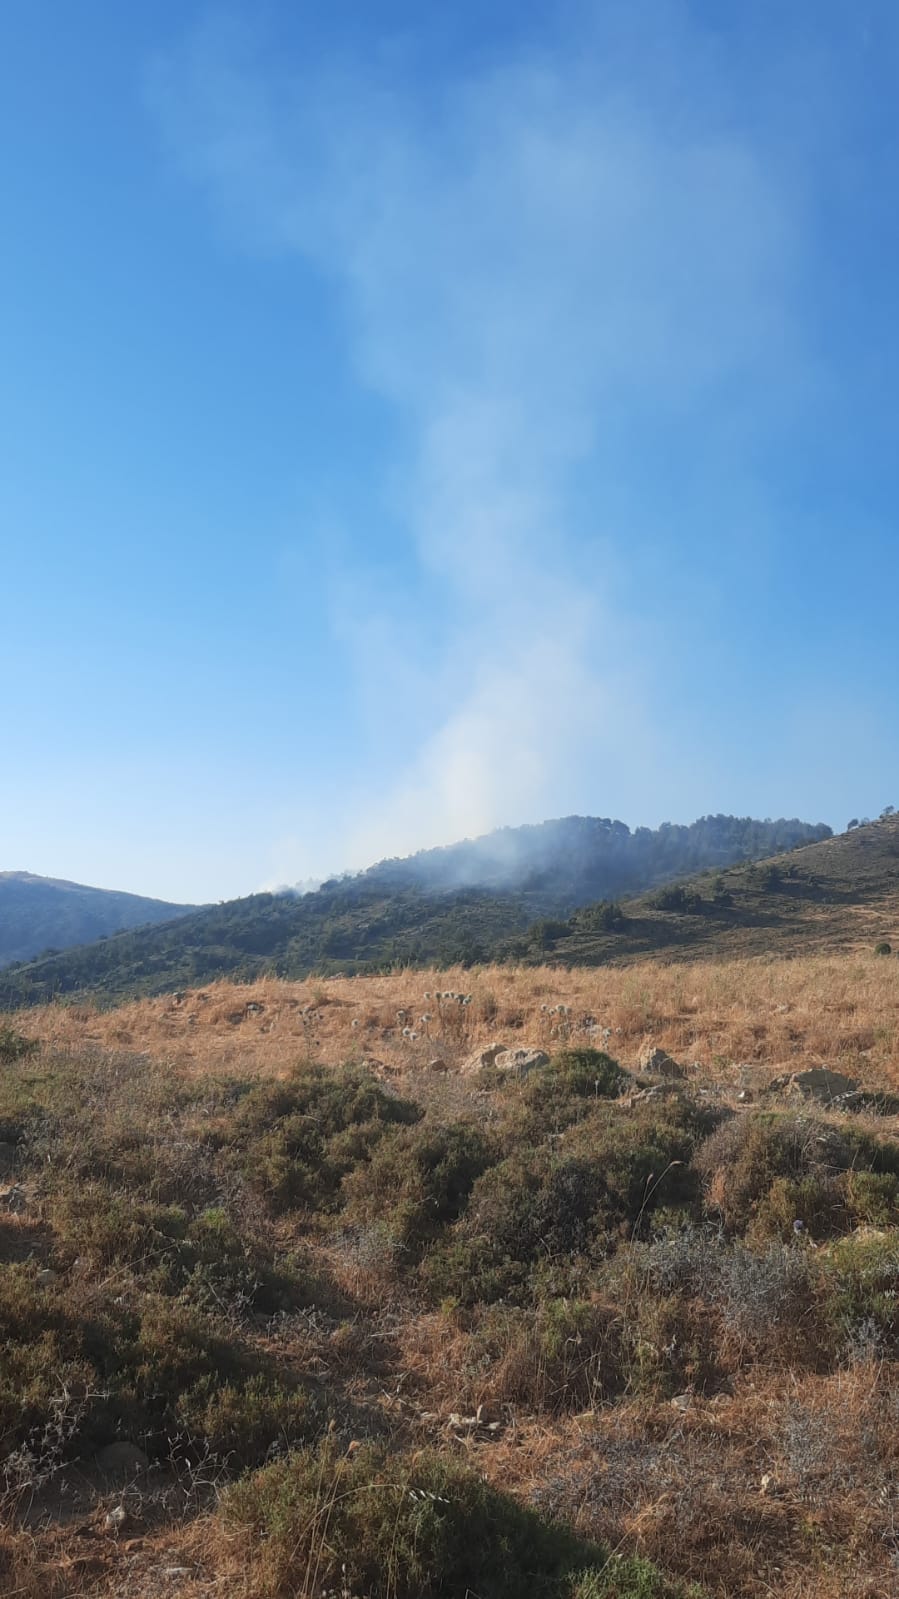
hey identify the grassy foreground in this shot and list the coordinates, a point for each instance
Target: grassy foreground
(360, 1327)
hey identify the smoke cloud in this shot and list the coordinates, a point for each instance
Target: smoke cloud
(539, 261)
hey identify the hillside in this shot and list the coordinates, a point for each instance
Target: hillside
(839, 894)
(396, 914)
(289, 1290)
(576, 859)
(47, 913)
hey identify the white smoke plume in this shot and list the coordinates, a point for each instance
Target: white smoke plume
(536, 262)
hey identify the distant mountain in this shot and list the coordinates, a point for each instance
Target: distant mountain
(468, 903)
(46, 913)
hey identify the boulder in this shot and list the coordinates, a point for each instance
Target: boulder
(485, 1058)
(649, 1091)
(521, 1061)
(819, 1083)
(656, 1062)
(122, 1456)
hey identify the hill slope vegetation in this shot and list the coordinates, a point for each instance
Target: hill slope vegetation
(839, 894)
(535, 891)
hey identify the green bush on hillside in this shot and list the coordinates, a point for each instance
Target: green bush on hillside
(300, 1138)
(385, 1526)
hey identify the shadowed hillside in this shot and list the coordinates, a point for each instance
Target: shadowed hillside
(386, 916)
(46, 913)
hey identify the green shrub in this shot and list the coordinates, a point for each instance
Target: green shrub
(44, 1356)
(860, 1276)
(300, 1138)
(562, 1093)
(15, 1046)
(244, 1424)
(105, 1229)
(589, 1073)
(623, 1578)
(883, 948)
(763, 1172)
(685, 901)
(531, 1207)
(75, 1374)
(386, 1525)
(606, 916)
(544, 1214)
(417, 1182)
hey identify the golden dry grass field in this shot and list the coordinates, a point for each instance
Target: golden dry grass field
(733, 1024)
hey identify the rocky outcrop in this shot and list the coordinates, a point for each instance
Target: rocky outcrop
(818, 1083)
(484, 1059)
(655, 1062)
(122, 1456)
(834, 1089)
(521, 1061)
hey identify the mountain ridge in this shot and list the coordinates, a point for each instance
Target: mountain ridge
(41, 913)
(393, 914)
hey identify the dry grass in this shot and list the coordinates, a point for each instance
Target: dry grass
(734, 1024)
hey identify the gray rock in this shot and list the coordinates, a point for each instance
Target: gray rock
(819, 1083)
(122, 1456)
(13, 1199)
(438, 1064)
(521, 1061)
(484, 1058)
(656, 1062)
(650, 1091)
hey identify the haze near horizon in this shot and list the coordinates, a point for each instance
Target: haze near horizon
(418, 424)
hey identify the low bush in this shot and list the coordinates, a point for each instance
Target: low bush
(14, 1045)
(387, 1525)
(589, 1073)
(536, 1221)
(564, 1355)
(416, 1183)
(763, 1172)
(77, 1371)
(298, 1139)
(242, 1425)
(861, 1276)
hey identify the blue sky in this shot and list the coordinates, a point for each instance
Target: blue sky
(420, 419)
